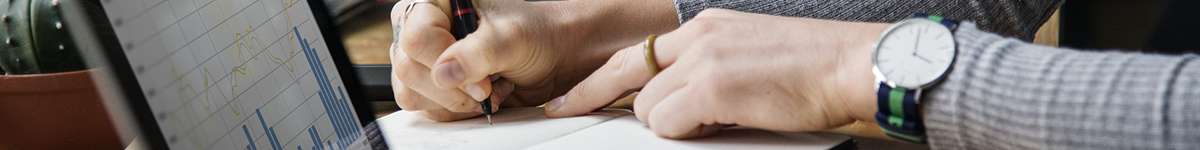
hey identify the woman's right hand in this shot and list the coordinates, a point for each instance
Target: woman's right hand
(522, 54)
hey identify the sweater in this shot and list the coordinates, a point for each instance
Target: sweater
(1005, 93)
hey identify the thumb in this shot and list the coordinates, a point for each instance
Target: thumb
(468, 61)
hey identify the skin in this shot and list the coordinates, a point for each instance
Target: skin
(789, 74)
(722, 68)
(534, 51)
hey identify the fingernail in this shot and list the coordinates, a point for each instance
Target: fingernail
(556, 103)
(450, 73)
(475, 91)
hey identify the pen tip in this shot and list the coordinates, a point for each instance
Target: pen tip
(489, 119)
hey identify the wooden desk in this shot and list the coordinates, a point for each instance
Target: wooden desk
(368, 36)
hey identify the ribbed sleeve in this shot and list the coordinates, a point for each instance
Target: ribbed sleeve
(1013, 18)
(1007, 94)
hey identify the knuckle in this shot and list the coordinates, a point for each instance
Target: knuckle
(513, 28)
(711, 20)
(702, 24)
(412, 41)
(714, 12)
(408, 76)
(408, 100)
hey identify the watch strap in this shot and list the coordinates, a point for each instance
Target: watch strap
(898, 114)
(949, 23)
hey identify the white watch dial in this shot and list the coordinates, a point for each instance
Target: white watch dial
(915, 53)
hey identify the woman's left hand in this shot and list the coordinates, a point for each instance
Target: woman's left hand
(732, 68)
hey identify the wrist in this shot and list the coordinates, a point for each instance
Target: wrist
(859, 90)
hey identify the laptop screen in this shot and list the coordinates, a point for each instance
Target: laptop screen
(236, 74)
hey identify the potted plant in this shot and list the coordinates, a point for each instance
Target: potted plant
(48, 99)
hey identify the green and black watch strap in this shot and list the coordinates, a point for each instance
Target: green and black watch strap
(898, 114)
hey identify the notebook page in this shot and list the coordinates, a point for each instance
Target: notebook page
(627, 132)
(513, 128)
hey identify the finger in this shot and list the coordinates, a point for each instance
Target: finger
(408, 99)
(680, 115)
(426, 33)
(626, 70)
(398, 11)
(416, 77)
(479, 90)
(500, 93)
(659, 88)
(469, 60)
(405, 97)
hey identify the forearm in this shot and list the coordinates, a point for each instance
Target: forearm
(1008, 94)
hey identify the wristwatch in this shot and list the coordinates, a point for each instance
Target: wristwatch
(911, 55)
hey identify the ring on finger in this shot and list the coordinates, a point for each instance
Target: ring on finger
(651, 60)
(409, 9)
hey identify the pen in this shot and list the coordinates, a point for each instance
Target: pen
(465, 21)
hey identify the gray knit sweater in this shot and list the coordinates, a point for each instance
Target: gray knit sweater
(1004, 93)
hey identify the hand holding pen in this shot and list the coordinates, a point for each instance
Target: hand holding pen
(444, 73)
(522, 55)
(423, 29)
(464, 21)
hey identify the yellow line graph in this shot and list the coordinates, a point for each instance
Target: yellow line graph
(240, 69)
(291, 37)
(188, 84)
(234, 104)
(247, 43)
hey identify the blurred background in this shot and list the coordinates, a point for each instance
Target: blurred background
(1157, 26)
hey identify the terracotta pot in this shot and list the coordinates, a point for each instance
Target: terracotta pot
(54, 111)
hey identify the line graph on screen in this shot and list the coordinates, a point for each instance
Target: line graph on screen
(204, 64)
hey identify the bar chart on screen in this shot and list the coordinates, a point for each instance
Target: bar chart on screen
(236, 74)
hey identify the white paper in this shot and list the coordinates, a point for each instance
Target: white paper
(513, 128)
(627, 132)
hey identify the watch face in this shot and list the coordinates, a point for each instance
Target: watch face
(915, 53)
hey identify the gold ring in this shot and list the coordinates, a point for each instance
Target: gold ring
(651, 61)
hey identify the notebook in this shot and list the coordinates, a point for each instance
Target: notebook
(528, 128)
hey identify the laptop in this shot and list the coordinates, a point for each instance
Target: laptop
(273, 74)
(235, 74)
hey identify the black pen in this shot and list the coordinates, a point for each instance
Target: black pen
(465, 21)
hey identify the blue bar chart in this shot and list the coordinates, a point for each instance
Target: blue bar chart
(316, 138)
(203, 64)
(250, 138)
(344, 123)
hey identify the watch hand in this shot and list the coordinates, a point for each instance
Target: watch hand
(924, 59)
(917, 44)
